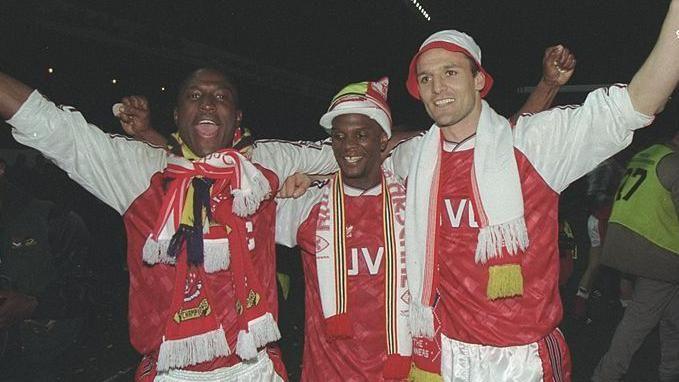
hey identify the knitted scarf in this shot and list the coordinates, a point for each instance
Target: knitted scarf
(332, 269)
(497, 195)
(201, 228)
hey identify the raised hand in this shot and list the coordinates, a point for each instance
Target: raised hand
(558, 65)
(134, 115)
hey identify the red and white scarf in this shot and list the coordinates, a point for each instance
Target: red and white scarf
(201, 228)
(497, 194)
(331, 262)
(233, 175)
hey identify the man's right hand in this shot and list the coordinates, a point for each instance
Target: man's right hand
(134, 115)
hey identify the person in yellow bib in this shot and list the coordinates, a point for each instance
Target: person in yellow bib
(643, 240)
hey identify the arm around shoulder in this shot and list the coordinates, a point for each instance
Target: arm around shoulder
(285, 158)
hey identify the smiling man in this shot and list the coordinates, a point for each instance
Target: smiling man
(200, 227)
(355, 147)
(481, 233)
(350, 230)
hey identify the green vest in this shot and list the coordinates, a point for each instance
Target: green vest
(643, 205)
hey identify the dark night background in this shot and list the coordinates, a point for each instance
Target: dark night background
(289, 58)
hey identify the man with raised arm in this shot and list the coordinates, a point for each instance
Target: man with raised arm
(363, 353)
(351, 233)
(200, 227)
(481, 233)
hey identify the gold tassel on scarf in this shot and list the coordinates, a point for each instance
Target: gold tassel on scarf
(504, 281)
(419, 375)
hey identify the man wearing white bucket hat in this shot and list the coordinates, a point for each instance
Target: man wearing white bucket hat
(482, 205)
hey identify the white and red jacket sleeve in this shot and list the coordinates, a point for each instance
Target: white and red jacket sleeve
(116, 169)
(567, 142)
(285, 158)
(292, 213)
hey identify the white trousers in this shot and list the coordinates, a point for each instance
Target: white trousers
(463, 362)
(257, 370)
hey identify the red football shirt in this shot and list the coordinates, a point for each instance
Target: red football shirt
(466, 313)
(360, 358)
(151, 286)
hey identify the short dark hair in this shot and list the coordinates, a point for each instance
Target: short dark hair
(211, 67)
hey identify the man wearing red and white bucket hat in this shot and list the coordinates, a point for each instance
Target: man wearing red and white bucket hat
(481, 234)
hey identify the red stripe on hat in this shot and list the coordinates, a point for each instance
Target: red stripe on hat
(411, 82)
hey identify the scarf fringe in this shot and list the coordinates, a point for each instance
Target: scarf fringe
(217, 255)
(396, 367)
(245, 347)
(261, 331)
(246, 202)
(421, 320)
(176, 354)
(216, 252)
(504, 281)
(420, 375)
(513, 235)
(155, 252)
(264, 330)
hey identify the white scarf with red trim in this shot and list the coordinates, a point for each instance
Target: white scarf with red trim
(498, 197)
(201, 230)
(331, 262)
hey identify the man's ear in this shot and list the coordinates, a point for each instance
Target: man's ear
(383, 141)
(479, 80)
